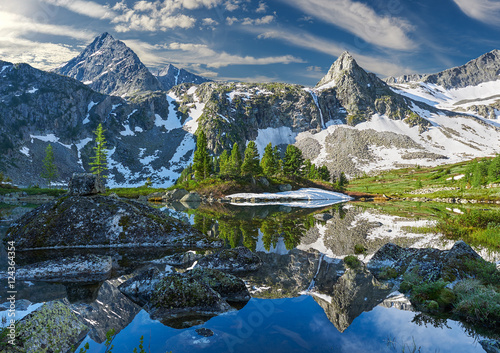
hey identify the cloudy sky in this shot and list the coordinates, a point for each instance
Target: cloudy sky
(292, 41)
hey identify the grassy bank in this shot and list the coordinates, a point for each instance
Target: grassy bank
(445, 181)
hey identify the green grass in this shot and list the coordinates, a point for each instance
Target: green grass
(402, 182)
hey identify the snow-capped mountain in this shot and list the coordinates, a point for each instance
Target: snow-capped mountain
(473, 88)
(108, 66)
(171, 76)
(351, 121)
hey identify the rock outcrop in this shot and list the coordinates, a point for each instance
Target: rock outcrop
(78, 268)
(235, 260)
(84, 184)
(52, 327)
(100, 221)
(430, 264)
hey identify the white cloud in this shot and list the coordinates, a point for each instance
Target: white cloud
(232, 5)
(257, 21)
(209, 22)
(314, 68)
(306, 40)
(41, 55)
(182, 54)
(262, 7)
(84, 7)
(361, 20)
(487, 11)
(231, 20)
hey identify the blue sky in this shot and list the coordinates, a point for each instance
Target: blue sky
(292, 41)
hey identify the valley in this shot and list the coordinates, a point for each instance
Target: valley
(361, 212)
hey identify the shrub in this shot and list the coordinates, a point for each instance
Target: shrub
(477, 303)
(352, 261)
(388, 273)
(359, 249)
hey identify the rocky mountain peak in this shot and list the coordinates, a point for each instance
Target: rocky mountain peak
(108, 66)
(171, 76)
(345, 64)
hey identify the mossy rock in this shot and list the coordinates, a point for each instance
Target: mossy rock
(51, 328)
(239, 259)
(228, 286)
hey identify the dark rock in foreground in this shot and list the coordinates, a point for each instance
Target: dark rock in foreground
(239, 259)
(140, 288)
(230, 287)
(184, 259)
(100, 221)
(83, 184)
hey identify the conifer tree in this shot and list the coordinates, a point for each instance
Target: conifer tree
(277, 161)
(99, 161)
(250, 165)
(306, 171)
(49, 167)
(234, 164)
(293, 161)
(201, 160)
(494, 169)
(268, 162)
(324, 173)
(342, 181)
(224, 163)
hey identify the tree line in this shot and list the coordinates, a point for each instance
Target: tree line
(232, 164)
(480, 173)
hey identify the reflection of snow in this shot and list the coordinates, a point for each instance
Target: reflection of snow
(279, 249)
(305, 198)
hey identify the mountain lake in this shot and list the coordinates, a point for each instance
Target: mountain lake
(291, 309)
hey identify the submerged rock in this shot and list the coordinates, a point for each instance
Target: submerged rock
(83, 184)
(140, 288)
(229, 287)
(177, 294)
(184, 259)
(51, 328)
(100, 221)
(239, 259)
(175, 195)
(78, 268)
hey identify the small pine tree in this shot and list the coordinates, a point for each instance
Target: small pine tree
(49, 167)
(268, 163)
(306, 171)
(234, 163)
(224, 163)
(293, 161)
(277, 161)
(494, 169)
(324, 173)
(342, 181)
(250, 165)
(99, 161)
(201, 160)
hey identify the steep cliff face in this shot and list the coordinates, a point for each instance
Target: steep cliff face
(108, 66)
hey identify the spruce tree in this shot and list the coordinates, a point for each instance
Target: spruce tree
(293, 161)
(342, 181)
(234, 164)
(494, 169)
(201, 160)
(250, 165)
(268, 162)
(49, 167)
(99, 161)
(224, 163)
(306, 171)
(324, 173)
(277, 162)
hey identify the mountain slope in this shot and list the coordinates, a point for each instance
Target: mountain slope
(145, 135)
(171, 76)
(108, 66)
(473, 88)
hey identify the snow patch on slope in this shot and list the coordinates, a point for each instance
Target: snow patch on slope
(275, 135)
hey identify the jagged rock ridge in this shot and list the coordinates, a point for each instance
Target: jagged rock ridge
(482, 69)
(108, 66)
(171, 76)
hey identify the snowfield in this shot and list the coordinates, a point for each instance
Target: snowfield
(305, 198)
